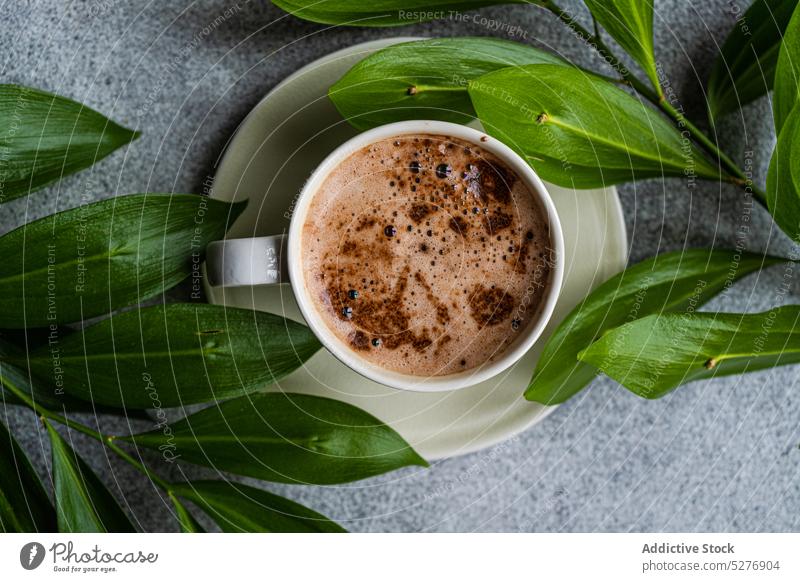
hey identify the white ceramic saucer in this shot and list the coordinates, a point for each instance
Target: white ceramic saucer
(267, 161)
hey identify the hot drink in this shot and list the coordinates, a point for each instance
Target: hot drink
(426, 254)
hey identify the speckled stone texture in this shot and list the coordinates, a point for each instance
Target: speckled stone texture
(719, 455)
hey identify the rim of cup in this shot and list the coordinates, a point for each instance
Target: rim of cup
(501, 362)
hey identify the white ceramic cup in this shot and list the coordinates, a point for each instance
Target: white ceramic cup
(271, 260)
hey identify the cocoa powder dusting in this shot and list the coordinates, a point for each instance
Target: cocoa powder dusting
(458, 224)
(490, 306)
(418, 212)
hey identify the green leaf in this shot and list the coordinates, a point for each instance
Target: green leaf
(783, 178)
(580, 131)
(787, 73)
(239, 508)
(288, 438)
(93, 259)
(670, 282)
(630, 23)
(24, 505)
(83, 503)
(177, 354)
(186, 520)
(50, 396)
(425, 79)
(745, 69)
(654, 355)
(383, 12)
(45, 137)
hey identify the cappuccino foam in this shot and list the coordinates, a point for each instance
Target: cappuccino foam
(426, 254)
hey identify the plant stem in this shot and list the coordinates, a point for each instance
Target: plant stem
(107, 441)
(596, 42)
(736, 175)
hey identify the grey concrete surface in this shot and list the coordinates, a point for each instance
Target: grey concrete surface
(713, 456)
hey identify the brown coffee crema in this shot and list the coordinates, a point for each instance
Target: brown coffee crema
(426, 254)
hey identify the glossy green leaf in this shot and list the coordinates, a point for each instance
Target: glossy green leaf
(425, 79)
(185, 519)
(24, 505)
(289, 438)
(745, 69)
(93, 259)
(783, 178)
(578, 130)
(45, 137)
(83, 503)
(654, 355)
(50, 395)
(383, 12)
(670, 282)
(176, 354)
(240, 508)
(630, 23)
(787, 73)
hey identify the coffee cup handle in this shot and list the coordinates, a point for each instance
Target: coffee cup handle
(244, 262)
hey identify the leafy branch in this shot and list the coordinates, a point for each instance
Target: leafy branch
(234, 507)
(656, 97)
(581, 130)
(93, 260)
